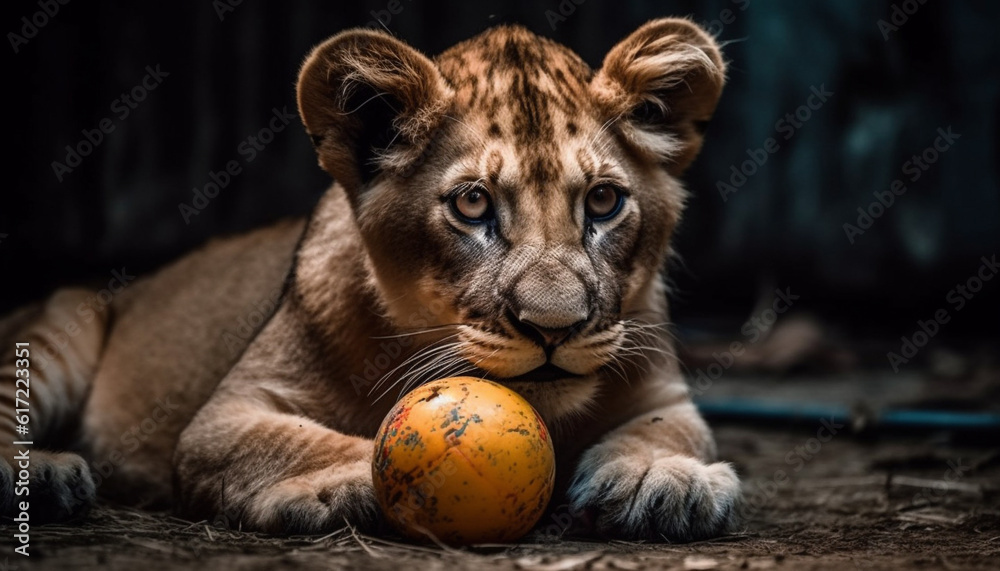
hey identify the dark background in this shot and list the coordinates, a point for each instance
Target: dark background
(782, 228)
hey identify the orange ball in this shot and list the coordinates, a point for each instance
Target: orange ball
(465, 460)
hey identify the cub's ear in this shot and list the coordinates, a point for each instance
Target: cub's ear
(367, 100)
(661, 85)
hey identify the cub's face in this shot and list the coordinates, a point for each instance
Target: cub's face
(510, 198)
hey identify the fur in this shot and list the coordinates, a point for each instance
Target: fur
(566, 308)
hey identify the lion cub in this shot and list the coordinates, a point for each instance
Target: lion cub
(501, 210)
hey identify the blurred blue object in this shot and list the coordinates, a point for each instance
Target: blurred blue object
(755, 410)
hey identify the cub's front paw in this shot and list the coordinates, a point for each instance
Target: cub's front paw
(319, 502)
(60, 487)
(673, 498)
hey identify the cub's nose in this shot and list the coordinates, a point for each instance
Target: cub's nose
(548, 337)
(549, 306)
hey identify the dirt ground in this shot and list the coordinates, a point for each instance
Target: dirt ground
(920, 503)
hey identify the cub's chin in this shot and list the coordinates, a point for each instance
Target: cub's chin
(546, 373)
(555, 393)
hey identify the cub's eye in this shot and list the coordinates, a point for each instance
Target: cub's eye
(604, 202)
(472, 205)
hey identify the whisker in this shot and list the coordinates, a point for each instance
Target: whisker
(440, 362)
(419, 359)
(644, 342)
(418, 332)
(415, 329)
(445, 369)
(605, 127)
(615, 366)
(495, 351)
(417, 356)
(428, 368)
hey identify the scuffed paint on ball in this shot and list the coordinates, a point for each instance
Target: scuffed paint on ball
(466, 459)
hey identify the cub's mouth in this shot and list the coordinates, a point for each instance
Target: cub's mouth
(544, 373)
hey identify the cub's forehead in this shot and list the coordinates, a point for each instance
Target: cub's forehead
(528, 103)
(517, 80)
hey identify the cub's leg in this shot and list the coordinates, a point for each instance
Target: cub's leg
(252, 462)
(654, 478)
(65, 340)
